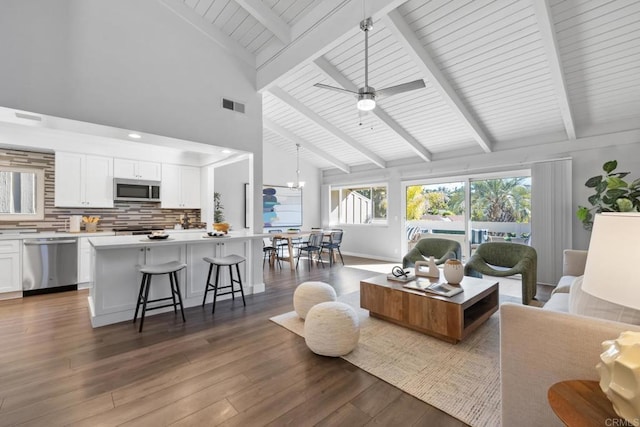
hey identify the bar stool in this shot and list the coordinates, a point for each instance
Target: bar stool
(229, 260)
(149, 270)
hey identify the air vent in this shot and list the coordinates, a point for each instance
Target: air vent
(38, 118)
(232, 105)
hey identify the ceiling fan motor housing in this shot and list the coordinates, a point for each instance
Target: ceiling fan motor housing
(366, 24)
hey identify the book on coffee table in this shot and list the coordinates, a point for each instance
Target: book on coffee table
(404, 279)
(402, 275)
(439, 288)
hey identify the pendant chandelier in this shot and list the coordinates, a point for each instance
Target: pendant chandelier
(298, 184)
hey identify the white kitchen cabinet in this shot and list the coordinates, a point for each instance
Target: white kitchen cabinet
(10, 266)
(137, 169)
(83, 181)
(180, 187)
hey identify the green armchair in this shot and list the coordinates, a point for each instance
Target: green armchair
(440, 249)
(515, 257)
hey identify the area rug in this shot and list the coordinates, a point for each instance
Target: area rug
(461, 379)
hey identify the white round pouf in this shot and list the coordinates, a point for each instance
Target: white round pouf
(331, 329)
(308, 294)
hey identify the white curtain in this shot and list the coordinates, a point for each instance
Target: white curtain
(551, 216)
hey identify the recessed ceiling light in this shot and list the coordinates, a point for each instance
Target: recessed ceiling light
(226, 151)
(135, 135)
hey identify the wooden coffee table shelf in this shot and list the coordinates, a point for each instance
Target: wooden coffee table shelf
(450, 319)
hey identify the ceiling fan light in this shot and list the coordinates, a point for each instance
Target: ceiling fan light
(366, 102)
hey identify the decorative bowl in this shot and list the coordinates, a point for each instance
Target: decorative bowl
(221, 226)
(157, 236)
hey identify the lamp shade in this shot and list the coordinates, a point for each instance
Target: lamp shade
(613, 260)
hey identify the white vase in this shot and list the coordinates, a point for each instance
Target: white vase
(453, 271)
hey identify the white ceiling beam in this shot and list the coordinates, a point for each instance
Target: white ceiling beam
(323, 28)
(268, 18)
(334, 74)
(550, 42)
(305, 111)
(287, 134)
(409, 41)
(210, 30)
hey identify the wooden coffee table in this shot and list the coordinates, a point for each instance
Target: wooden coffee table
(448, 318)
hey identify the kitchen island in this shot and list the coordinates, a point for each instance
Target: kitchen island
(116, 280)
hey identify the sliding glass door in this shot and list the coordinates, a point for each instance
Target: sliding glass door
(499, 210)
(435, 210)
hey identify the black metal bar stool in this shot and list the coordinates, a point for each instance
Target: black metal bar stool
(170, 268)
(229, 260)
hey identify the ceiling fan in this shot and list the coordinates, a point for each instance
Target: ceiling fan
(367, 95)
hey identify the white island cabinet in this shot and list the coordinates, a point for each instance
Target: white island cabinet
(116, 280)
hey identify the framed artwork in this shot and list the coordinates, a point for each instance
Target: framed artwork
(281, 206)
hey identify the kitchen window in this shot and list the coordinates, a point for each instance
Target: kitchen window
(359, 205)
(21, 194)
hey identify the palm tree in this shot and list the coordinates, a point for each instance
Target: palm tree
(500, 200)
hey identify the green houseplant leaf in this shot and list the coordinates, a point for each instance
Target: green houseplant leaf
(611, 194)
(593, 181)
(615, 182)
(218, 209)
(610, 166)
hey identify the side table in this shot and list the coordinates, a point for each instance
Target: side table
(582, 403)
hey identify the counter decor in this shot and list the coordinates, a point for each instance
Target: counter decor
(90, 223)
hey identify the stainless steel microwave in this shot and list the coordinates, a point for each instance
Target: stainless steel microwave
(134, 190)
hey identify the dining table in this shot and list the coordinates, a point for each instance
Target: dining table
(290, 237)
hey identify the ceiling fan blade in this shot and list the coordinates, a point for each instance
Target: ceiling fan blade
(404, 87)
(336, 89)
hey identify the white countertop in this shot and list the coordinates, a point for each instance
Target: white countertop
(47, 234)
(116, 242)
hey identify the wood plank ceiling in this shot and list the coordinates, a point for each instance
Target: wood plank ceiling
(498, 74)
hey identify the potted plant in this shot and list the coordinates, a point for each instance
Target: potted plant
(218, 215)
(612, 194)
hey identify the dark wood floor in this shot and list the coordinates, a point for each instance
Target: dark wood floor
(235, 368)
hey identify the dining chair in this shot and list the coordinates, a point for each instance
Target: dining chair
(298, 241)
(335, 240)
(268, 250)
(279, 244)
(314, 246)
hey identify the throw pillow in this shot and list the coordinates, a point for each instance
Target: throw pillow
(586, 304)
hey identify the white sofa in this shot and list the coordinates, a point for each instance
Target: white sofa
(573, 263)
(539, 347)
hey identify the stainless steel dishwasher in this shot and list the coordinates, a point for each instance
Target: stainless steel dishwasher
(49, 265)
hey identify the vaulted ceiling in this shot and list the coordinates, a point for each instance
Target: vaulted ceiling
(498, 74)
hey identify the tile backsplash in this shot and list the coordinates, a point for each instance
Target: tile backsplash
(121, 215)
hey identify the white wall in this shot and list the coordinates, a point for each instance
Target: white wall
(129, 64)
(279, 168)
(229, 181)
(385, 242)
